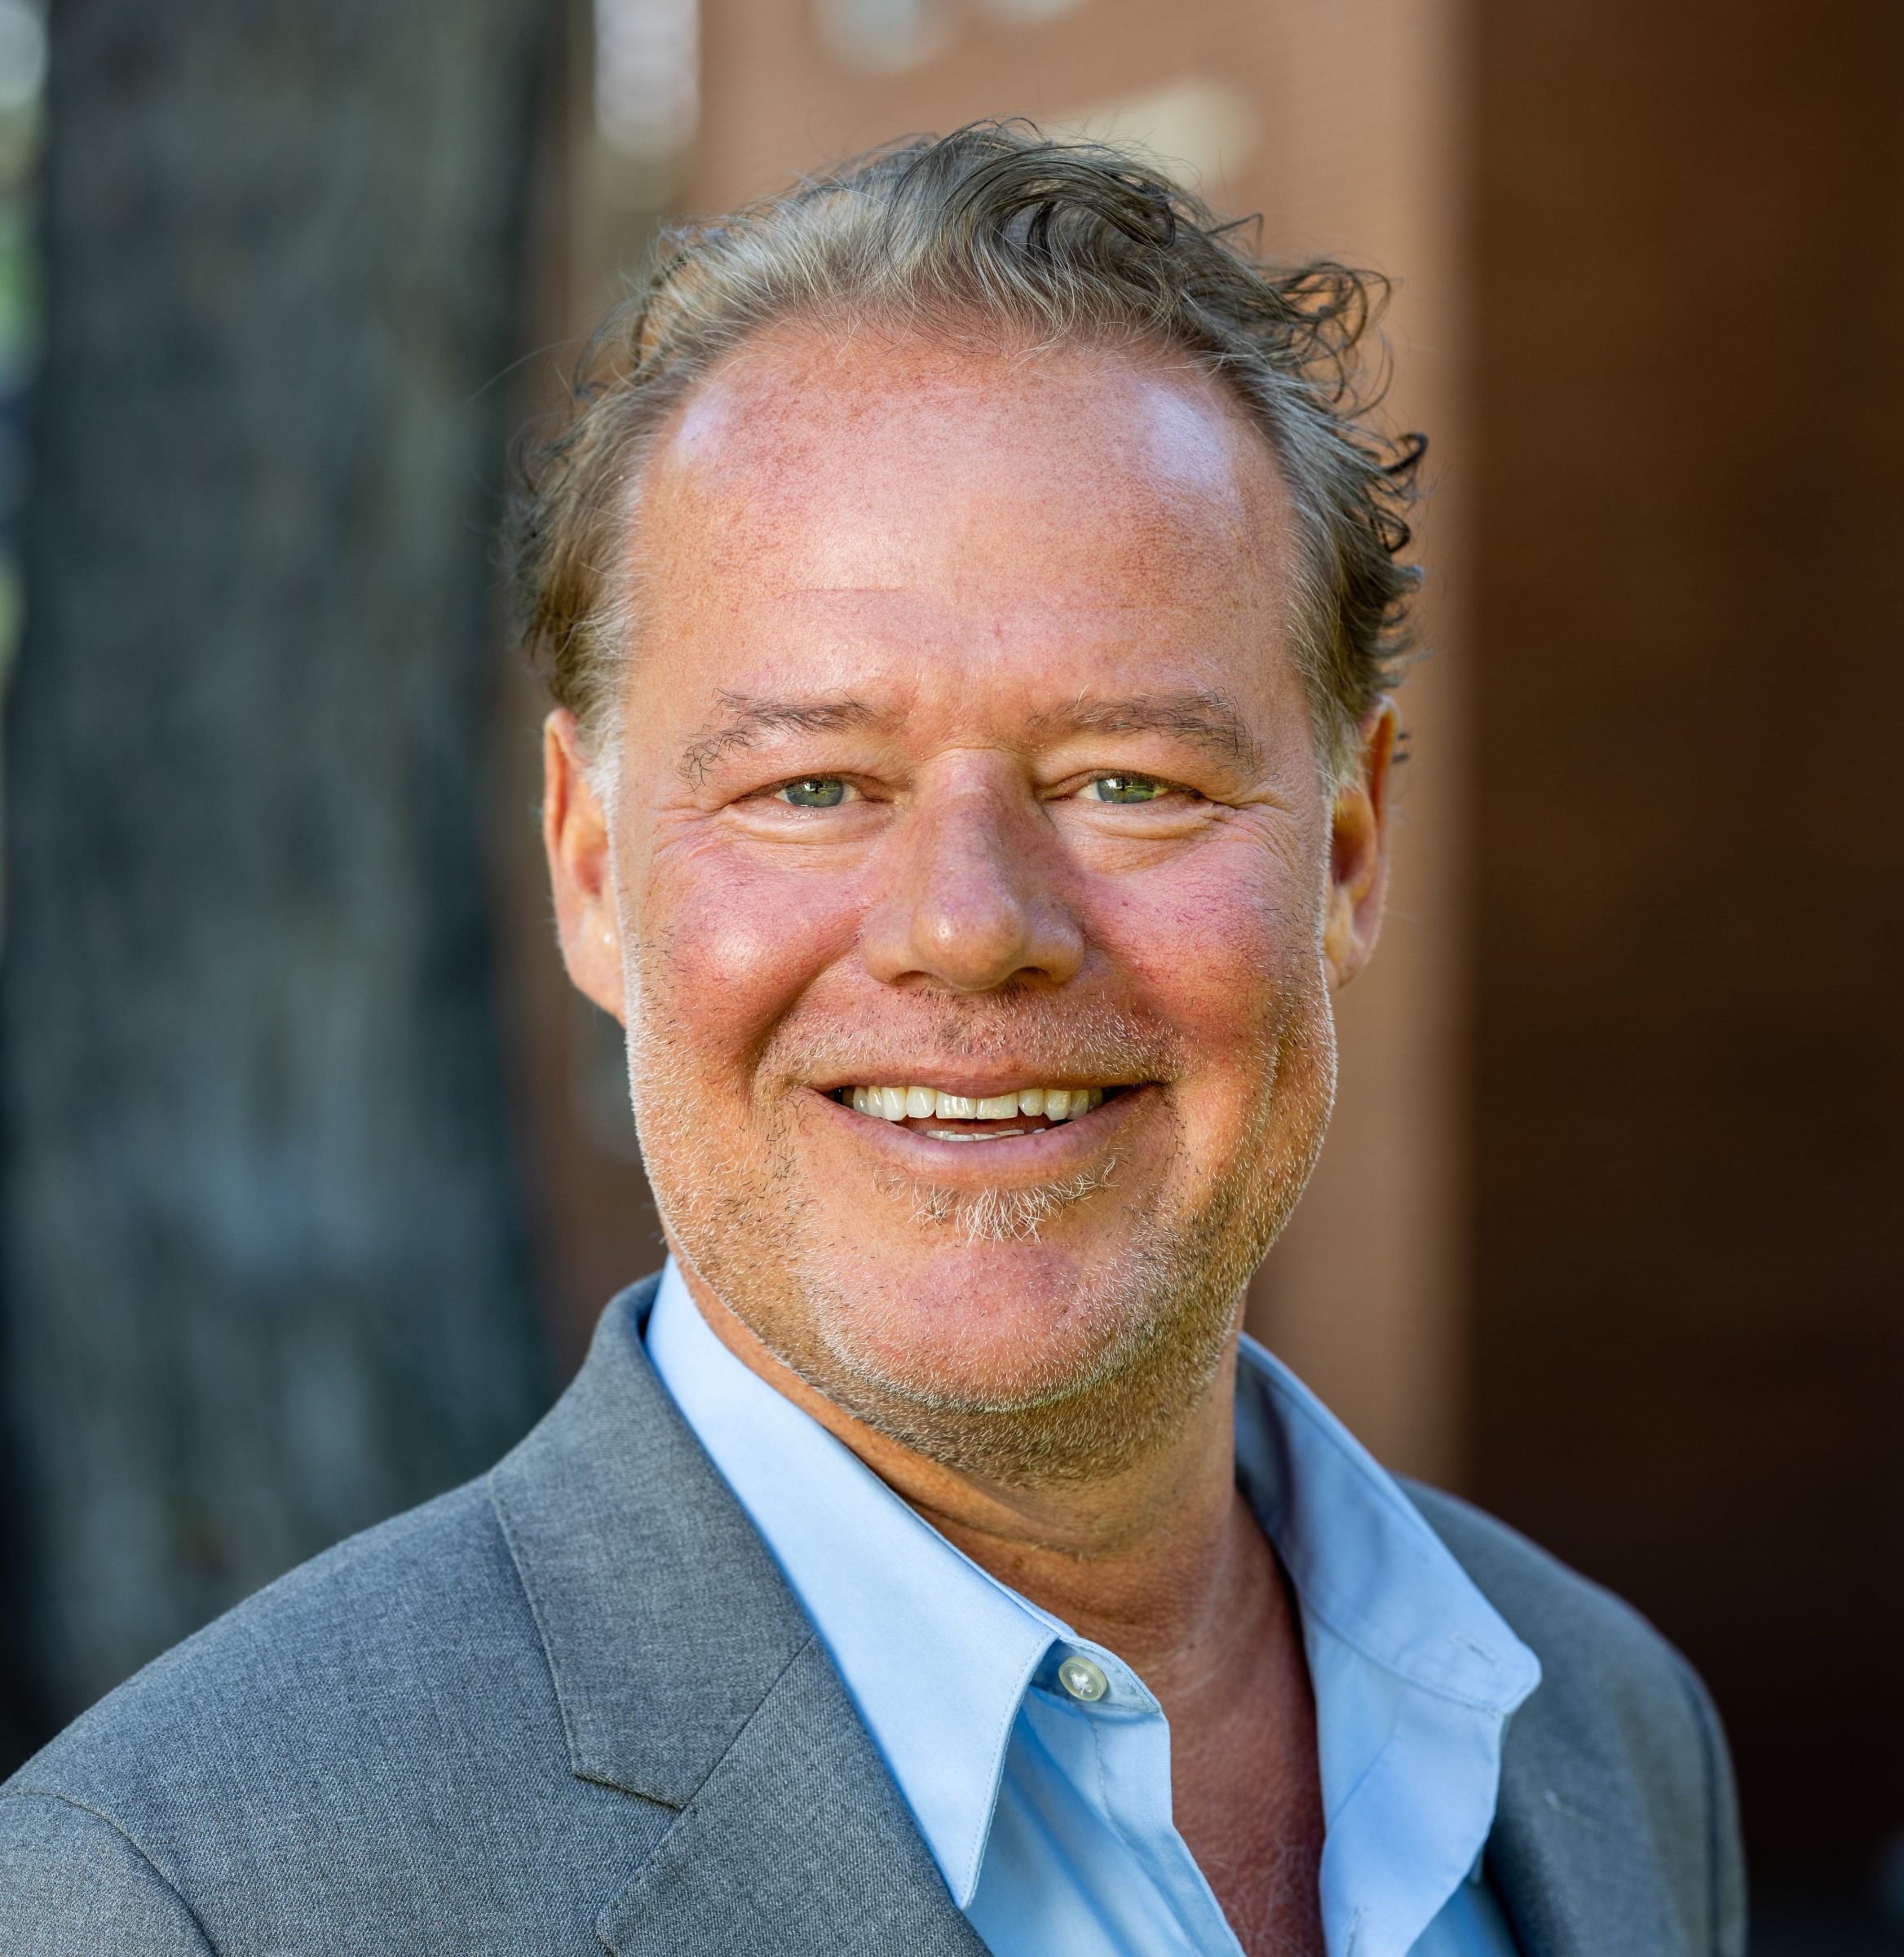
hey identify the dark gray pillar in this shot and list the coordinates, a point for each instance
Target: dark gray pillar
(260, 1264)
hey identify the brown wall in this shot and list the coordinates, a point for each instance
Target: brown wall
(1688, 1208)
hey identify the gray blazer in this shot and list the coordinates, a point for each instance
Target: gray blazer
(573, 1706)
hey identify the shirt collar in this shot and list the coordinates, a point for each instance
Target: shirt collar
(1414, 1674)
(1363, 1560)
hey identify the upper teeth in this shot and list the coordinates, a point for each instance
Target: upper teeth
(917, 1103)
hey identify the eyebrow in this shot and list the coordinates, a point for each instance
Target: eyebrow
(746, 718)
(1207, 719)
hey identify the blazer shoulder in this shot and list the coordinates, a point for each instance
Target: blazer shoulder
(401, 1665)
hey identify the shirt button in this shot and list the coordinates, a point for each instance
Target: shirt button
(1082, 1678)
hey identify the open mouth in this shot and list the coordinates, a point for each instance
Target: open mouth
(948, 1117)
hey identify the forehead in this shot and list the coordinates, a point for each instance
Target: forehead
(836, 496)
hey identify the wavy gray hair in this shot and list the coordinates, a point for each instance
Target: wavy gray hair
(997, 231)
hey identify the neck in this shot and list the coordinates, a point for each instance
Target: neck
(1161, 1562)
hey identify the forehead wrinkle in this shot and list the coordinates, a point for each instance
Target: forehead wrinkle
(747, 717)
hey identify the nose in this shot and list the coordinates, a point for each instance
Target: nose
(972, 894)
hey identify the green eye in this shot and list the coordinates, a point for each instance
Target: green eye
(815, 792)
(1125, 789)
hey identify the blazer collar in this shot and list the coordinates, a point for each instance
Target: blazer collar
(688, 1675)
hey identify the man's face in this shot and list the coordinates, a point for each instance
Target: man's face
(964, 754)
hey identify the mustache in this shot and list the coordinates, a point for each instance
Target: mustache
(1041, 1034)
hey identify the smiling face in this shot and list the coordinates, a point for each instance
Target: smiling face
(967, 883)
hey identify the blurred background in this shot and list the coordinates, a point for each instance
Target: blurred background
(314, 1174)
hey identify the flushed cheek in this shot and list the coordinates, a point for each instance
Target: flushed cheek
(728, 950)
(1231, 968)
(1221, 959)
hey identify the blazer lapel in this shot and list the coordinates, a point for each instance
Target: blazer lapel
(1576, 1872)
(688, 1676)
(797, 1844)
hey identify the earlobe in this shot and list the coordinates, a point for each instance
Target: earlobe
(574, 836)
(1358, 851)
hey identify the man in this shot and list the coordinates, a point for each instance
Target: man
(969, 600)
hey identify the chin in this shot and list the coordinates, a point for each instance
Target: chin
(992, 1325)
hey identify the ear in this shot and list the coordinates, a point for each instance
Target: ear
(1358, 851)
(575, 832)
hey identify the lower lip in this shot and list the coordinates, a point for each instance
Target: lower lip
(1034, 1152)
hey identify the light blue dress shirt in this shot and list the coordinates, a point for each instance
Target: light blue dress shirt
(1048, 1814)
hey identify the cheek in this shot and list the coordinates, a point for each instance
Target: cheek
(727, 948)
(1222, 951)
